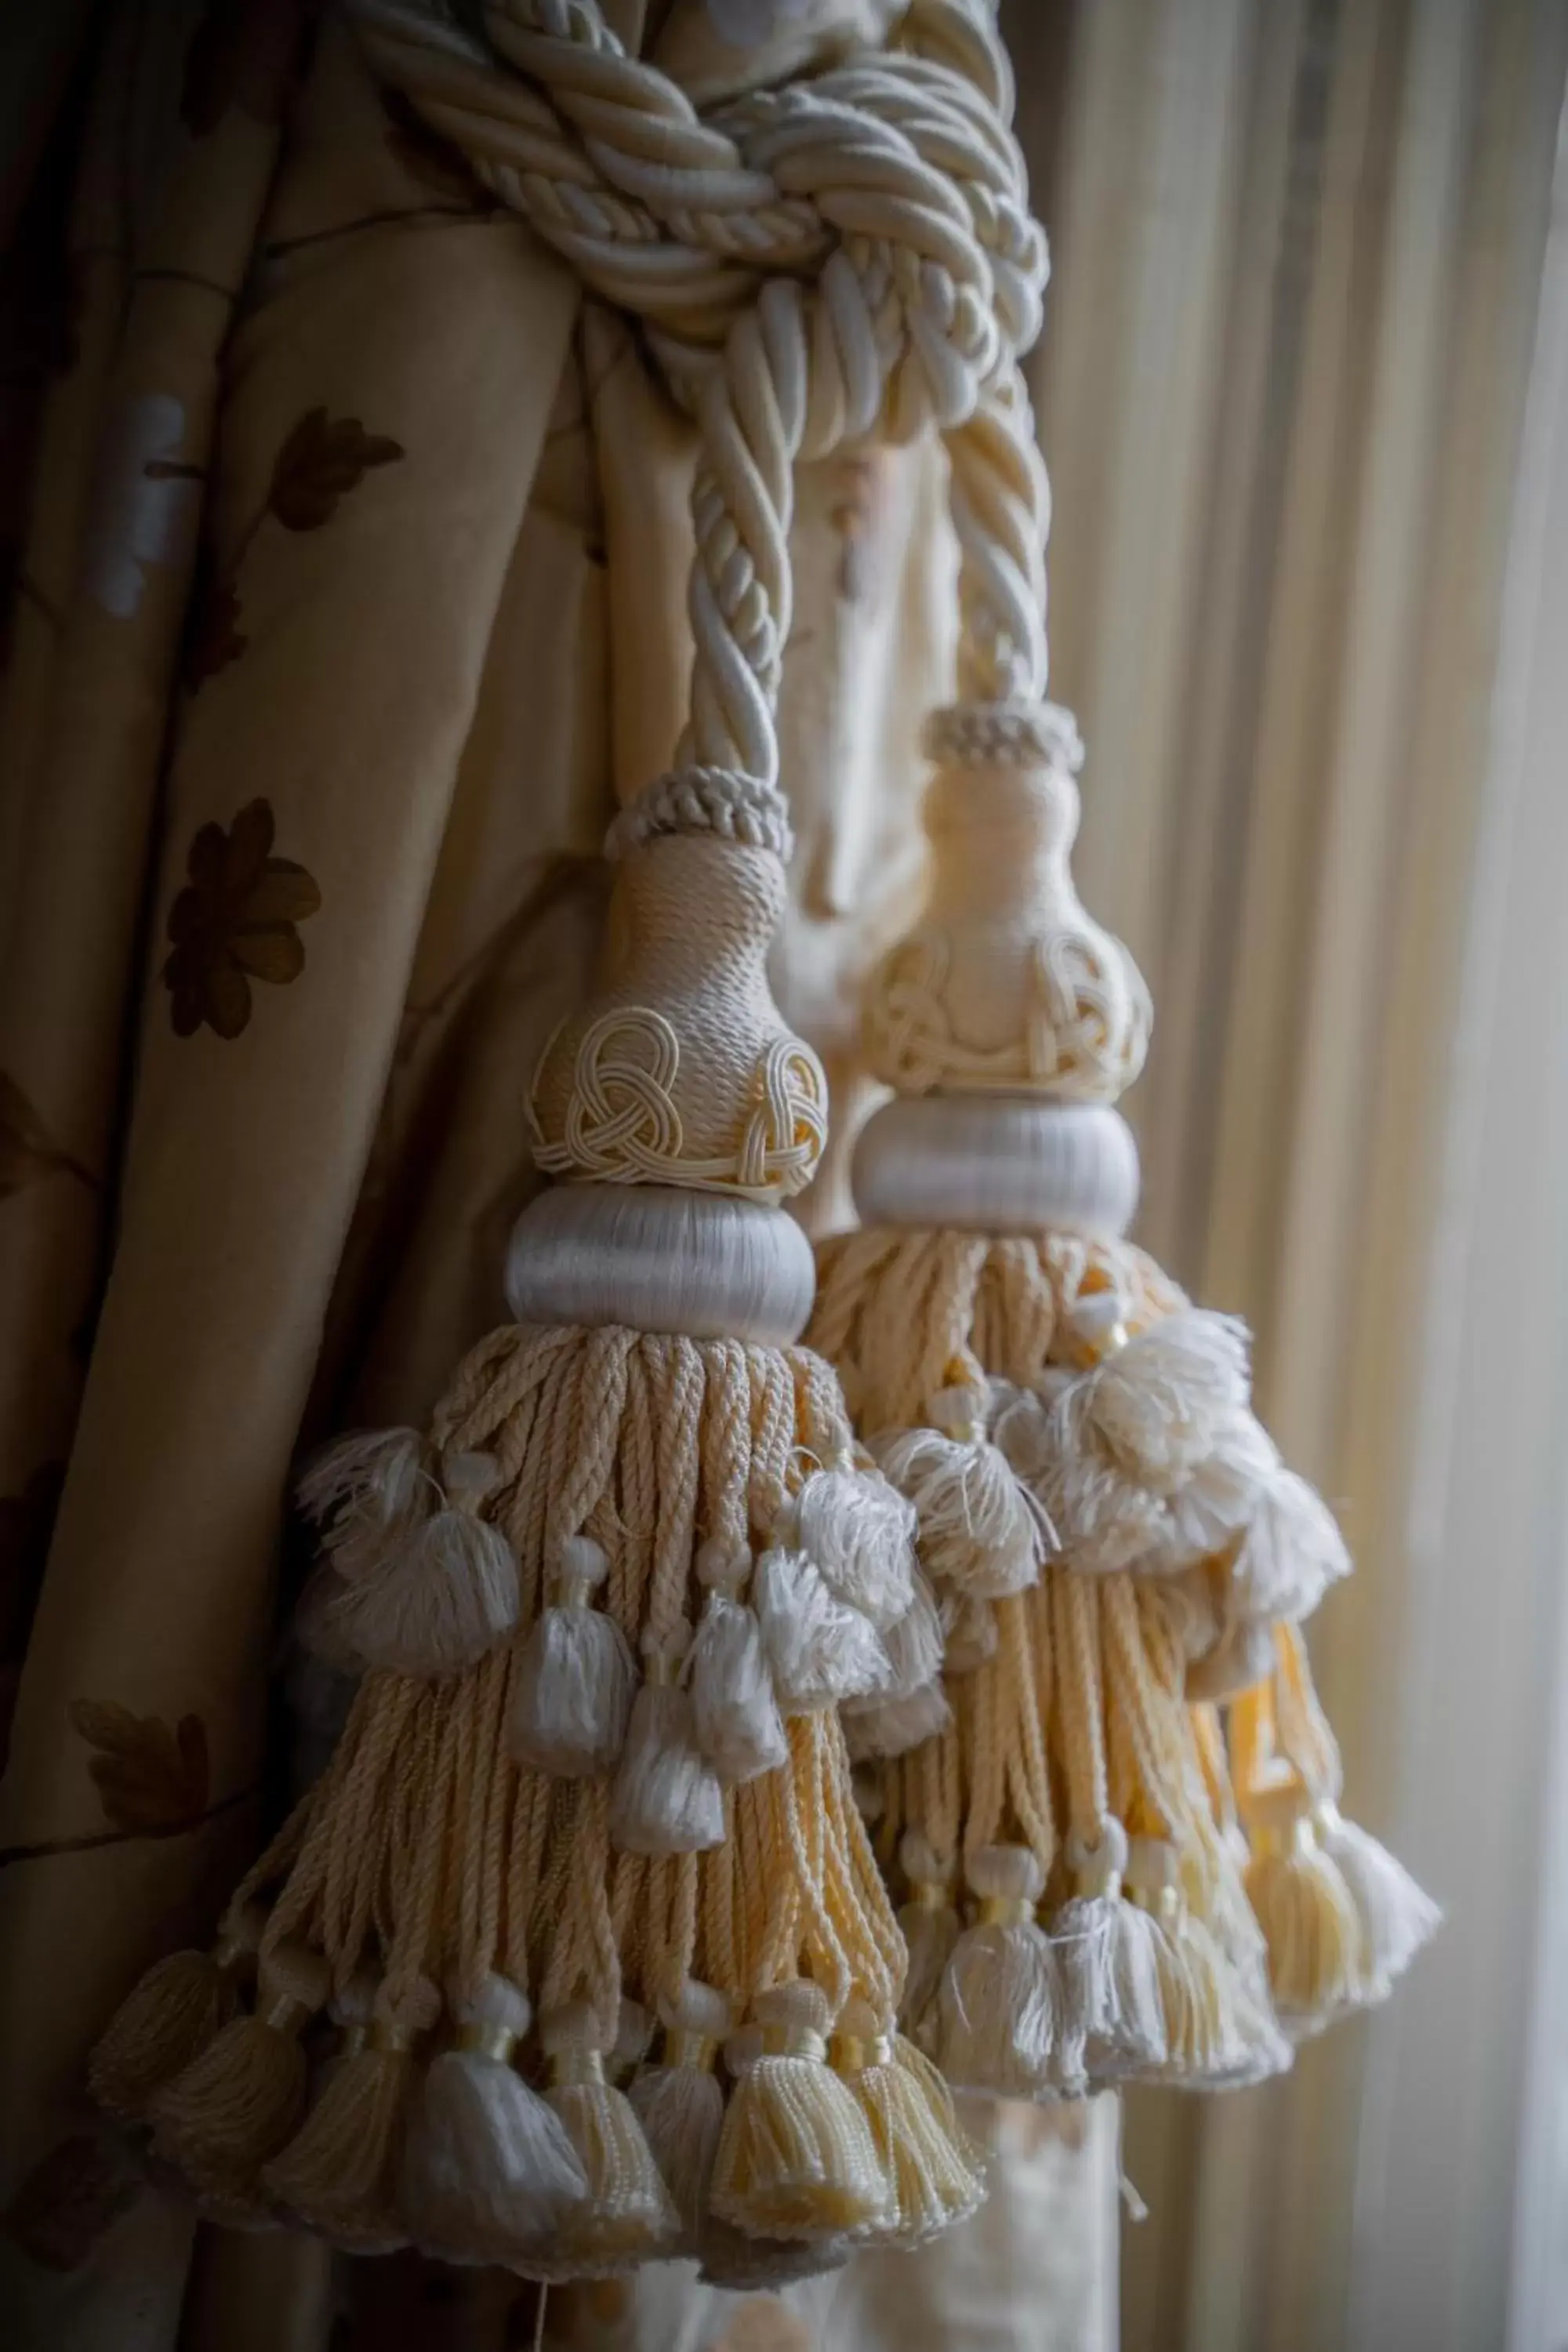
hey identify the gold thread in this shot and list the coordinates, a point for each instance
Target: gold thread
(485, 2040)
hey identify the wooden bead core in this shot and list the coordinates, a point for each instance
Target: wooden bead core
(996, 1163)
(660, 1259)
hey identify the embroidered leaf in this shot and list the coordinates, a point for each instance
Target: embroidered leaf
(322, 460)
(68, 2200)
(235, 921)
(150, 1779)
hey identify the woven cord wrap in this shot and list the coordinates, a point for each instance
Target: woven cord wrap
(1005, 984)
(852, 255)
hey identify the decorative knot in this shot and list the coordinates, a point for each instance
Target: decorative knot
(705, 800)
(1003, 734)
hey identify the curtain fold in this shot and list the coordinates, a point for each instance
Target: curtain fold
(1298, 266)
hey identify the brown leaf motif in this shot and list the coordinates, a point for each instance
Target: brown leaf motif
(235, 921)
(70, 2197)
(323, 459)
(151, 1780)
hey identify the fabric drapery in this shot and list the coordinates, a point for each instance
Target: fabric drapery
(1298, 269)
(351, 597)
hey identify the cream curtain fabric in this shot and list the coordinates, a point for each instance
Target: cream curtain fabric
(1298, 266)
(350, 597)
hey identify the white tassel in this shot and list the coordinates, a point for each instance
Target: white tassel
(1113, 2021)
(1203, 1514)
(1290, 1553)
(575, 1677)
(634, 2038)
(437, 1597)
(679, 2102)
(860, 1532)
(914, 1707)
(666, 1798)
(1157, 1405)
(999, 1998)
(736, 1714)
(1396, 1916)
(489, 2173)
(821, 1652)
(891, 1727)
(367, 1483)
(980, 1529)
(930, 1926)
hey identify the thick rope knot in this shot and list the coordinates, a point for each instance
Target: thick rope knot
(1004, 735)
(705, 800)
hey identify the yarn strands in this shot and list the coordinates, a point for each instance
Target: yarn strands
(594, 1787)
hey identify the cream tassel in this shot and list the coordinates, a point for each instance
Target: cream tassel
(366, 1486)
(1317, 1959)
(1396, 1916)
(667, 1797)
(1112, 2018)
(339, 2173)
(926, 2159)
(1289, 1552)
(930, 1926)
(860, 1531)
(821, 1652)
(576, 1675)
(628, 2216)
(434, 1598)
(999, 2000)
(980, 1528)
(679, 2103)
(914, 1707)
(175, 2011)
(734, 1711)
(489, 2173)
(796, 2156)
(243, 2097)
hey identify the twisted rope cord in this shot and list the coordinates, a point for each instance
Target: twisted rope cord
(892, 184)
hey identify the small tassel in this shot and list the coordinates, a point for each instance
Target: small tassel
(930, 2166)
(999, 1996)
(435, 1599)
(1316, 1951)
(1290, 1551)
(488, 2174)
(366, 1485)
(931, 1927)
(576, 1675)
(628, 2216)
(1239, 1661)
(667, 1797)
(1218, 2031)
(860, 1531)
(914, 1707)
(821, 1652)
(891, 1727)
(972, 1636)
(175, 2011)
(634, 2037)
(679, 2105)
(1112, 2015)
(981, 1530)
(339, 2173)
(243, 2098)
(796, 2156)
(1396, 1918)
(736, 1716)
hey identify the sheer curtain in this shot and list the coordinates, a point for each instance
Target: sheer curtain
(1300, 249)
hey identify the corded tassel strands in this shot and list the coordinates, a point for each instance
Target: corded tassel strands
(594, 1792)
(1108, 1530)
